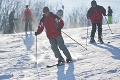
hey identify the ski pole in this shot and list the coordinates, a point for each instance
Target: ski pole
(36, 50)
(36, 60)
(108, 25)
(87, 32)
(74, 40)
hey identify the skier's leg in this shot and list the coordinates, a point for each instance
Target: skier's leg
(99, 28)
(109, 19)
(13, 27)
(30, 26)
(62, 46)
(10, 28)
(93, 32)
(26, 26)
(11, 24)
(100, 32)
(55, 49)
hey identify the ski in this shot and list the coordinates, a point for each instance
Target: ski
(95, 43)
(49, 66)
(100, 42)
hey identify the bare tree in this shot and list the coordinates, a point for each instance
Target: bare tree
(77, 18)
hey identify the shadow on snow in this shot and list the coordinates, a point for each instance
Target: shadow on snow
(68, 74)
(3, 77)
(114, 50)
(28, 41)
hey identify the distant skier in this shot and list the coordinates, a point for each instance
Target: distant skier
(95, 14)
(110, 15)
(53, 25)
(60, 13)
(28, 18)
(11, 22)
(3, 24)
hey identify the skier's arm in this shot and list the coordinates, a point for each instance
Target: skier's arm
(103, 11)
(88, 14)
(31, 14)
(111, 11)
(40, 27)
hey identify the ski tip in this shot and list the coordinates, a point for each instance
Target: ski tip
(49, 66)
(108, 42)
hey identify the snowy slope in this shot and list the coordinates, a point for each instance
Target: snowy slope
(99, 62)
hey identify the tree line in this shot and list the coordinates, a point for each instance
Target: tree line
(76, 18)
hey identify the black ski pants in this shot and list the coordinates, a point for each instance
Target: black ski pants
(94, 26)
(28, 24)
(12, 27)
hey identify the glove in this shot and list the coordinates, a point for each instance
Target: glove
(36, 33)
(59, 28)
(88, 17)
(104, 14)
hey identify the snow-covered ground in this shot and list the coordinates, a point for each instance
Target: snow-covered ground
(98, 62)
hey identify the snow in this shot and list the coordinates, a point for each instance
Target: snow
(98, 62)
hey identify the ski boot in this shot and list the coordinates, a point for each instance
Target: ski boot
(100, 40)
(92, 41)
(61, 61)
(68, 60)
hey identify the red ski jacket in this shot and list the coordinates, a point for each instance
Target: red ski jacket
(50, 23)
(95, 14)
(24, 14)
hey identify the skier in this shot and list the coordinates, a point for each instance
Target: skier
(60, 13)
(3, 24)
(53, 25)
(11, 22)
(95, 14)
(110, 15)
(27, 17)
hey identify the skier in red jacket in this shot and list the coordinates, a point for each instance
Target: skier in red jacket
(53, 25)
(27, 17)
(95, 14)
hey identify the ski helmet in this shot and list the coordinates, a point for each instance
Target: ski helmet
(109, 7)
(26, 5)
(45, 9)
(93, 3)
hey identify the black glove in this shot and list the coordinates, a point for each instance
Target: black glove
(59, 28)
(36, 33)
(104, 14)
(88, 17)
